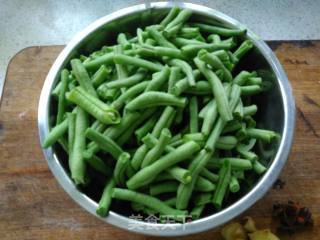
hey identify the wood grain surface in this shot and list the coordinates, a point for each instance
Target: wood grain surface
(34, 206)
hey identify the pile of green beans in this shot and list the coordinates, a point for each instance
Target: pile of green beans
(163, 120)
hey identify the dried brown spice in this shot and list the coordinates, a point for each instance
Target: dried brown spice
(292, 216)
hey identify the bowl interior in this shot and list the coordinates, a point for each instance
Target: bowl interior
(270, 104)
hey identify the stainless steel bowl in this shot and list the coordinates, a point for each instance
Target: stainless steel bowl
(276, 110)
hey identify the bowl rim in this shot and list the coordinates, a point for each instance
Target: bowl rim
(202, 224)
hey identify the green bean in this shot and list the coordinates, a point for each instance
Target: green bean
(254, 81)
(144, 129)
(227, 142)
(193, 110)
(171, 201)
(234, 185)
(183, 41)
(186, 68)
(180, 174)
(181, 86)
(243, 77)
(150, 42)
(130, 171)
(246, 154)
(106, 199)
(197, 211)
(150, 202)
(76, 162)
(215, 63)
(173, 78)
(215, 38)
(236, 163)
(151, 141)
(201, 88)
(258, 167)
(138, 156)
(106, 93)
(100, 76)
(243, 49)
(82, 76)
(189, 32)
(71, 118)
(154, 153)
(122, 40)
(56, 133)
(250, 90)
(209, 117)
(238, 111)
(104, 142)
(181, 18)
(106, 59)
(217, 89)
(170, 16)
(177, 143)
(98, 164)
(222, 186)
(94, 106)
(195, 167)
(163, 187)
(225, 32)
(153, 98)
(192, 49)
(55, 91)
(120, 168)
(204, 185)
(140, 36)
(250, 110)
(147, 174)
(64, 144)
(209, 175)
(129, 94)
(197, 137)
(129, 132)
(239, 174)
(263, 135)
(202, 199)
(115, 131)
(127, 81)
(159, 38)
(62, 98)
(160, 52)
(232, 126)
(138, 62)
(98, 126)
(158, 79)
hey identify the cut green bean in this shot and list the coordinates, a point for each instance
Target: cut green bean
(223, 183)
(129, 94)
(234, 185)
(254, 81)
(100, 76)
(163, 187)
(119, 173)
(243, 77)
(209, 175)
(138, 62)
(147, 174)
(262, 134)
(98, 164)
(246, 154)
(159, 38)
(259, 168)
(250, 90)
(204, 185)
(215, 63)
(154, 98)
(180, 174)
(217, 89)
(62, 98)
(57, 132)
(202, 199)
(192, 49)
(151, 141)
(170, 16)
(193, 110)
(181, 18)
(76, 162)
(236, 163)
(146, 128)
(197, 211)
(150, 202)
(157, 150)
(94, 106)
(243, 49)
(226, 142)
(104, 142)
(226, 32)
(158, 79)
(185, 68)
(106, 199)
(128, 81)
(82, 76)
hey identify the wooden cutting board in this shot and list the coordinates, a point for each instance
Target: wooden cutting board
(34, 206)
